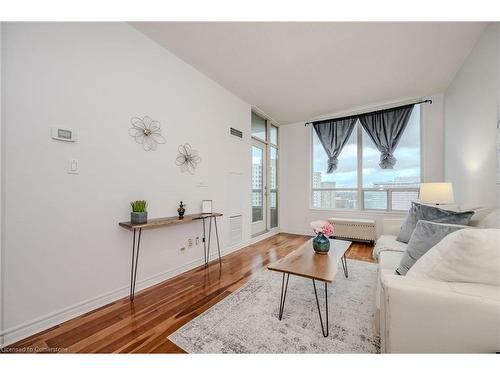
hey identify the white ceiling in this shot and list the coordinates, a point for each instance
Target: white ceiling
(298, 71)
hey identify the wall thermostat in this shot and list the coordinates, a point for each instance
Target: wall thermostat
(60, 134)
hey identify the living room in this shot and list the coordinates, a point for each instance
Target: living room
(250, 187)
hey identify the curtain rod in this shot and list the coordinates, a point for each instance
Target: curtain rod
(371, 112)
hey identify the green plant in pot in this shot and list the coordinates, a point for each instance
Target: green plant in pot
(139, 214)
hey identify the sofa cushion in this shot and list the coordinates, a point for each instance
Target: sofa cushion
(480, 214)
(420, 211)
(388, 243)
(469, 255)
(492, 220)
(425, 236)
(389, 260)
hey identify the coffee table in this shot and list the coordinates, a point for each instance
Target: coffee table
(304, 262)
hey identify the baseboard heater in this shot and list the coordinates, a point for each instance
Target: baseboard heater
(354, 229)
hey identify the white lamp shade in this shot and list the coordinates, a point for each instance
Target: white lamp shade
(436, 193)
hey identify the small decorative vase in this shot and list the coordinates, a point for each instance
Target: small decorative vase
(138, 217)
(181, 210)
(321, 244)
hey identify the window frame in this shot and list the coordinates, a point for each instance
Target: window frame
(360, 189)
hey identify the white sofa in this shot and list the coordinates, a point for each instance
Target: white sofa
(427, 316)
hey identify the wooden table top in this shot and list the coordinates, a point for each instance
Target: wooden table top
(166, 221)
(306, 263)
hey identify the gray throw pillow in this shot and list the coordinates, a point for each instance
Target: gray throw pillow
(425, 236)
(420, 211)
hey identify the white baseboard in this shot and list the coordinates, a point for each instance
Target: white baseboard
(235, 247)
(19, 332)
(299, 232)
(263, 236)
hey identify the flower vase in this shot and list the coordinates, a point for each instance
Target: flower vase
(181, 211)
(321, 244)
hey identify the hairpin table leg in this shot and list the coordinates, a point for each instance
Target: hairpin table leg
(284, 288)
(217, 236)
(325, 333)
(344, 266)
(209, 239)
(204, 242)
(135, 261)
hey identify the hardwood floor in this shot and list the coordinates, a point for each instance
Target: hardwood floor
(143, 326)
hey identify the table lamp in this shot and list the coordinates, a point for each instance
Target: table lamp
(437, 193)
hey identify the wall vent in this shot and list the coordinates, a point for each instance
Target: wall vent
(235, 229)
(236, 132)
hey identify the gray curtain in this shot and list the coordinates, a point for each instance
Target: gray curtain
(333, 135)
(385, 128)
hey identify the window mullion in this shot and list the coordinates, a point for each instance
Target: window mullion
(389, 200)
(360, 205)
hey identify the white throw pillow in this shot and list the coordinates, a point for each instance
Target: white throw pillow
(467, 255)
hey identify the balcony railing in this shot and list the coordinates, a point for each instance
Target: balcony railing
(380, 199)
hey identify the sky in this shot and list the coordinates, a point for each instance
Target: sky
(407, 154)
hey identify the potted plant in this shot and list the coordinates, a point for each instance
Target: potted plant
(139, 215)
(323, 230)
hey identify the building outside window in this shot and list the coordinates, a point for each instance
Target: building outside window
(257, 186)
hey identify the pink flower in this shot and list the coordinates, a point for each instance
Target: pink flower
(327, 230)
(322, 226)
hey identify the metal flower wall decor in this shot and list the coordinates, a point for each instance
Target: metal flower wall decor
(187, 158)
(146, 132)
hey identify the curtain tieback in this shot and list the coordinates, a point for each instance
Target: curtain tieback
(387, 160)
(332, 164)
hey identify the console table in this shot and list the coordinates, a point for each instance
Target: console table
(164, 222)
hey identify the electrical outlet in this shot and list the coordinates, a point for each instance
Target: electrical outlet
(190, 242)
(197, 240)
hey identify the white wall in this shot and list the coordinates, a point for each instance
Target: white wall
(470, 124)
(1, 184)
(296, 171)
(64, 252)
(432, 121)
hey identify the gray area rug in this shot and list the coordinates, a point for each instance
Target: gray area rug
(247, 320)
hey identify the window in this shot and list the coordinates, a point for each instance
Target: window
(359, 182)
(274, 135)
(338, 189)
(257, 179)
(259, 127)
